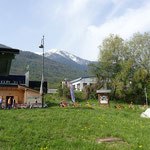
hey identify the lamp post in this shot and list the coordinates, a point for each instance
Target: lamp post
(42, 79)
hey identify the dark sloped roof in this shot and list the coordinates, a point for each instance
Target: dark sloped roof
(4, 46)
(7, 49)
(77, 80)
(8, 85)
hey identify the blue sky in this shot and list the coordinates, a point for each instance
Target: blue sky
(75, 26)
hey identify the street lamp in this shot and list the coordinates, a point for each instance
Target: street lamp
(42, 79)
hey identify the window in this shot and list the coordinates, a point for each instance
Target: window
(84, 84)
(78, 86)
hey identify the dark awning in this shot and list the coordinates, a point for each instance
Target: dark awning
(5, 49)
(6, 56)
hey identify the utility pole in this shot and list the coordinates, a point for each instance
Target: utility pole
(42, 79)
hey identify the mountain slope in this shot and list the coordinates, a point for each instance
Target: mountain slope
(54, 71)
(68, 59)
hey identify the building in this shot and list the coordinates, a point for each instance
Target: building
(17, 87)
(51, 91)
(79, 83)
(21, 89)
(65, 82)
(6, 56)
(21, 94)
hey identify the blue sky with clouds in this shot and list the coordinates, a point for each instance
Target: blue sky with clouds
(75, 26)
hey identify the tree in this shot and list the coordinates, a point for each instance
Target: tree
(60, 89)
(139, 48)
(124, 66)
(112, 53)
(63, 90)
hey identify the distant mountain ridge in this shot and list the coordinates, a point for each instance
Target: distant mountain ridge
(58, 65)
(54, 71)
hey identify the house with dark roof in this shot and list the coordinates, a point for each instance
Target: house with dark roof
(79, 83)
(17, 87)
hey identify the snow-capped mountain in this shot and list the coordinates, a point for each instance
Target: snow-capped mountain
(54, 54)
(68, 59)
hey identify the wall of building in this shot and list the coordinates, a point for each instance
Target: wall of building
(21, 95)
(32, 97)
(83, 82)
(15, 92)
(50, 91)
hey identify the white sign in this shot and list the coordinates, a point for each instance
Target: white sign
(103, 100)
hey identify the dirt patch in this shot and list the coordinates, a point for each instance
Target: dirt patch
(111, 139)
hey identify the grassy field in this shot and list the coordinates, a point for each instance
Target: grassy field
(73, 128)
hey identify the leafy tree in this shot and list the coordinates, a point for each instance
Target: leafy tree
(124, 66)
(112, 53)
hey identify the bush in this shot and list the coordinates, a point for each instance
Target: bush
(79, 96)
(93, 96)
(66, 92)
(63, 91)
(47, 99)
(86, 92)
(89, 91)
(59, 89)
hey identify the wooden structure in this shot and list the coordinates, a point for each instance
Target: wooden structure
(22, 94)
(103, 97)
(6, 56)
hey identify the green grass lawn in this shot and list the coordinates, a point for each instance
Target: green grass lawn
(73, 128)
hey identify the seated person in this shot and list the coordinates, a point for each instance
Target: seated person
(131, 106)
(63, 104)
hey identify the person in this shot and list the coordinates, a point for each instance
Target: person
(9, 103)
(131, 106)
(63, 104)
(1, 101)
(14, 103)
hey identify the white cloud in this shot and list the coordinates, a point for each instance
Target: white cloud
(81, 33)
(79, 26)
(77, 6)
(76, 15)
(133, 20)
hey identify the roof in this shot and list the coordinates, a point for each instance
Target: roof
(13, 77)
(4, 46)
(12, 80)
(19, 87)
(8, 85)
(25, 87)
(6, 56)
(7, 49)
(79, 79)
(52, 91)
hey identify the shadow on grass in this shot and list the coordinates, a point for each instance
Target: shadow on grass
(53, 104)
(84, 108)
